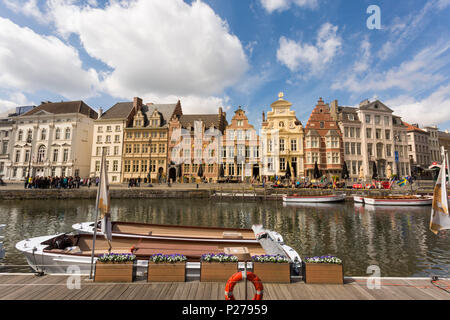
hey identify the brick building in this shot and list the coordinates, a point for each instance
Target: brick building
(323, 143)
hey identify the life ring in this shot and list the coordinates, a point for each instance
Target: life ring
(238, 276)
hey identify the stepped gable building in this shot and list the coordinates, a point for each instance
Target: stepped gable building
(109, 136)
(195, 139)
(418, 148)
(240, 149)
(53, 139)
(372, 134)
(323, 143)
(282, 140)
(145, 153)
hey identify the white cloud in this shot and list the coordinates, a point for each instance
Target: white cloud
(418, 73)
(28, 8)
(14, 99)
(282, 5)
(30, 62)
(362, 64)
(156, 48)
(296, 55)
(432, 110)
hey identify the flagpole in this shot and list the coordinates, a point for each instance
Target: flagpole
(95, 222)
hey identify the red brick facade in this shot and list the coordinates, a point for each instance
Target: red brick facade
(323, 142)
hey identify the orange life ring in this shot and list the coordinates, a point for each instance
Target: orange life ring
(238, 276)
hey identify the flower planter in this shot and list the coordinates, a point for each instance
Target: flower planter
(217, 271)
(272, 272)
(326, 273)
(114, 271)
(166, 272)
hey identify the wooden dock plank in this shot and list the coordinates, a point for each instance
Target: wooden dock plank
(30, 287)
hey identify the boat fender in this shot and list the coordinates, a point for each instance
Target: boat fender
(238, 276)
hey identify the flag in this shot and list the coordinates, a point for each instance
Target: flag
(103, 201)
(403, 182)
(440, 218)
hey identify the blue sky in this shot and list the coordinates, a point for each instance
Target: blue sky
(228, 53)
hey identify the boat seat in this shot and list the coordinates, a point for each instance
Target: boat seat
(232, 235)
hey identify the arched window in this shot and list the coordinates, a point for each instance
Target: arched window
(67, 133)
(41, 154)
(43, 134)
(58, 134)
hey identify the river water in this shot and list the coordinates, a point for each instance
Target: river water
(397, 240)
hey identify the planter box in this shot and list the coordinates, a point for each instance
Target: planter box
(166, 272)
(273, 272)
(217, 271)
(114, 272)
(324, 273)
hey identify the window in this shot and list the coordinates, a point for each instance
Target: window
(117, 128)
(129, 135)
(315, 157)
(336, 159)
(231, 169)
(99, 129)
(162, 148)
(20, 135)
(270, 164)
(136, 148)
(186, 168)
(41, 154)
(162, 134)
(368, 133)
(240, 150)
(43, 134)
(351, 117)
(346, 132)
(387, 134)
(153, 147)
(322, 125)
(67, 133)
(128, 148)
(210, 168)
(358, 148)
(27, 156)
(135, 166)
(353, 147)
(369, 149)
(55, 155)
(293, 144)
(144, 166)
(154, 134)
(108, 128)
(352, 132)
(17, 158)
(378, 133)
(347, 148)
(30, 135)
(282, 164)
(367, 118)
(240, 123)
(377, 119)
(269, 145)
(240, 135)
(281, 144)
(126, 166)
(97, 166)
(116, 150)
(66, 155)
(116, 138)
(137, 135)
(386, 120)
(108, 139)
(5, 147)
(281, 124)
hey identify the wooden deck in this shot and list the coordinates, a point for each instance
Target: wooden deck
(31, 287)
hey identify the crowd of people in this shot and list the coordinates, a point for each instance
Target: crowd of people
(59, 182)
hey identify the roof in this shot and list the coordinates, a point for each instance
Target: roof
(377, 104)
(166, 111)
(63, 108)
(343, 113)
(120, 110)
(188, 120)
(412, 128)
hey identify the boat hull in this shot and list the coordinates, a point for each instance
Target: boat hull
(358, 199)
(314, 199)
(399, 202)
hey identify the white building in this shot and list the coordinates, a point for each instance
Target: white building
(108, 136)
(372, 134)
(53, 139)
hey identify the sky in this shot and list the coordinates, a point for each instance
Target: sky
(229, 53)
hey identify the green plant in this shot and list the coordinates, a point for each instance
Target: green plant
(117, 257)
(167, 258)
(323, 259)
(220, 257)
(267, 258)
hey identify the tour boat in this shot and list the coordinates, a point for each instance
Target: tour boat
(64, 253)
(413, 200)
(358, 199)
(315, 198)
(175, 232)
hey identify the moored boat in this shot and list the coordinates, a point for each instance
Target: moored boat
(175, 232)
(358, 199)
(413, 200)
(58, 253)
(315, 198)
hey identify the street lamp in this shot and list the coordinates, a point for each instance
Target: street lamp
(31, 154)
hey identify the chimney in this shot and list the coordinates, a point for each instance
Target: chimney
(137, 103)
(364, 102)
(100, 113)
(334, 109)
(264, 117)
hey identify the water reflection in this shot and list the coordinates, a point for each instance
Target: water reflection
(398, 240)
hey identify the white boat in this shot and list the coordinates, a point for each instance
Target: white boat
(170, 232)
(65, 253)
(358, 199)
(315, 198)
(415, 200)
